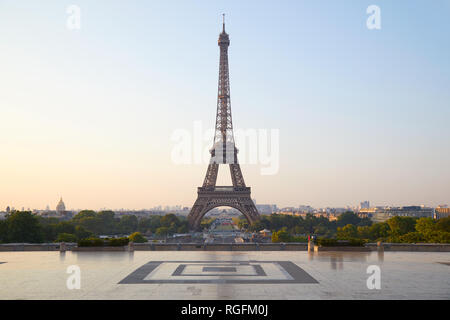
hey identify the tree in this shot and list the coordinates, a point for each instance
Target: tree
(3, 231)
(348, 232)
(348, 218)
(363, 232)
(401, 225)
(92, 224)
(425, 226)
(66, 237)
(243, 224)
(162, 231)
(412, 237)
(184, 228)
(169, 220)
(64, 227)
(257, 226)
(82, 233)
(432, 231)
(137, 237)
(128, 224)
(107, 222)
(443, 224)
(379, 231)
(22, 226)
(281, 236)
(84, 214)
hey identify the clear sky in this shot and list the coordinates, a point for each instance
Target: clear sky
(89, 114)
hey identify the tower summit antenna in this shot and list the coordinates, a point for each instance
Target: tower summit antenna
(223, 22)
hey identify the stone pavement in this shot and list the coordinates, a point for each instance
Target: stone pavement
(224, 275)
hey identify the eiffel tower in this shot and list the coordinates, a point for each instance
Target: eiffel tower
(223, 151)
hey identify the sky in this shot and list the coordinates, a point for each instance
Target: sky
(90, 114)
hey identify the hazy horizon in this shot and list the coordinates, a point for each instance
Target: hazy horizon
(89, 114)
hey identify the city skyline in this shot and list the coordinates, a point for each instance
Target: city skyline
(175, 207)
(362, 114)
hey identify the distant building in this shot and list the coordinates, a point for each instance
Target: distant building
(364, 205)
(266, 208)
(307, 209)
(442, 211)
(60, 207)
(379, 214)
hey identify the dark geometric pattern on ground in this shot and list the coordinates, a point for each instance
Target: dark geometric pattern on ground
(219, 269)
(297, 274)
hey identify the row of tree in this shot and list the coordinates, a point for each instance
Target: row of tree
(23, 226)
(296, 225)
(400, 229)
(286, 228)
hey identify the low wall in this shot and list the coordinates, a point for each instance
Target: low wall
(346, 248)
(91, 249)
(220, 246)
(419, 247)
(34, 246)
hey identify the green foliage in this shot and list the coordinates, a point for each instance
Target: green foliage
(243, 224)
(23, 226)
(347, 232)
(91, 242)
(298, 239)
(363, 232)
(137, 237)
(168, 220)
(379, 231)
(257, 226)
(411, 237)
(84, 214)
(116, 242)
(401, 225)
(128, 224)
(3, 231)
(162, 232)
(326, 242)
(293, 224)
(26, 227)
(66, 237)
(356, 242)
(348, 218)
(443, 224)
(425, 225)
(82, 233)
(281, 236)
(183, 228)
(107, 222)
(206, 223)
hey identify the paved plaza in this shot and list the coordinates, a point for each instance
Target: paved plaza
(224, 275)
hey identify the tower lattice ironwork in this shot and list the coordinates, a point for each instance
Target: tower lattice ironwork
(223, 151)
